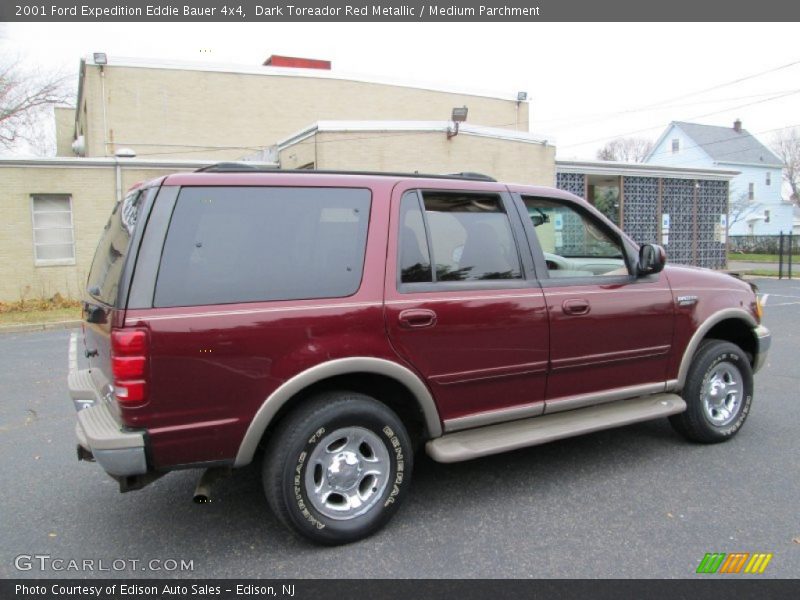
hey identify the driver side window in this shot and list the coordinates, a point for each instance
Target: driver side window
(574, 243)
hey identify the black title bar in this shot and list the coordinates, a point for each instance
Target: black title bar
(699, 588)
(232, 11)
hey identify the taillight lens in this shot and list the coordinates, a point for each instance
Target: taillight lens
(130, 393)
(129, 365)
(128, 342)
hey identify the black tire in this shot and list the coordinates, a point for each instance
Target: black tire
(706, 423)
(297, 446)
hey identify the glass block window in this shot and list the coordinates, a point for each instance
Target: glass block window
(53, 237)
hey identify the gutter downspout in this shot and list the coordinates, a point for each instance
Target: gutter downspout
(118, 176)
(105, 117)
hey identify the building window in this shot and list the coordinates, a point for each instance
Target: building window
(766, 216)
(53, 239)
(676, 146)
(751, 191)
(769, 178)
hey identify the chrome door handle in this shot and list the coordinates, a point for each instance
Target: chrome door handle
(576, 307)
(416, 318)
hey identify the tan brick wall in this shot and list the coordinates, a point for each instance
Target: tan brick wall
(65, 127)
(508, 161)
(300, 154)
(93, 191)
(152, 109)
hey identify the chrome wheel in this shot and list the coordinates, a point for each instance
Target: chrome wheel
(347, 473)
(722, 393)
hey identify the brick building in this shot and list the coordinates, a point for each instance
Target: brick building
(136, 119)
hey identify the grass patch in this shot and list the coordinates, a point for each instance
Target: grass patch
(40, 316)
(39, 310)
(762, 272)
(762, 258)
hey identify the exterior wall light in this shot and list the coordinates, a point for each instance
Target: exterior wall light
(459, 115)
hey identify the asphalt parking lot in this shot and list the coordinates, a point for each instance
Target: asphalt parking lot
(632, 502)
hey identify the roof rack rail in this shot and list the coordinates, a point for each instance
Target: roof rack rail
(473, 175)
(234, 167)
(243, 167)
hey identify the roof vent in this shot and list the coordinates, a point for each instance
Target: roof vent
(737, 126)
(298, 63)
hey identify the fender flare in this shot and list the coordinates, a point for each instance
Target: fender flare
(700, 333)
(333, 368)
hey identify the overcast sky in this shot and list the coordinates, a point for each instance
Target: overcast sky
(587, 82)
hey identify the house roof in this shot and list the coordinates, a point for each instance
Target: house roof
(725, 145)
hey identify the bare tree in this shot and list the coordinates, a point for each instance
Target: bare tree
(786, 145)
(626, 149)
(26, 98)
(740, 208)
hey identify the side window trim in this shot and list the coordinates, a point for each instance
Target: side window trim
(538, 253)
(526, 259)
(151, 246)
(129, 268)
(427, 229)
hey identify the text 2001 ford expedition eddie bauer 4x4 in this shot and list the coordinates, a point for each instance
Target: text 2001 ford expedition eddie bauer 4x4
(330, 325)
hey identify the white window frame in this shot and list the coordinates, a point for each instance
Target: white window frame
(51, 262)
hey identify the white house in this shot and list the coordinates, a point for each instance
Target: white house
(756, 206)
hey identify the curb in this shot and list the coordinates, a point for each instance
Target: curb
(26, 327)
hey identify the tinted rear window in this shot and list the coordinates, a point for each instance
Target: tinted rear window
(109, 258)
(246, 244)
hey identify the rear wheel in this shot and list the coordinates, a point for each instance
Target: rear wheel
(718, 393)
(337, 468)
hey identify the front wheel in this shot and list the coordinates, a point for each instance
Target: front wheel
(718, 393)
(337, 468)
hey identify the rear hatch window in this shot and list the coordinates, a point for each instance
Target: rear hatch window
(109, 258)
(249, 244)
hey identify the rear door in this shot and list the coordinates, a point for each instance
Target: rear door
(610, 332)
(463, 305)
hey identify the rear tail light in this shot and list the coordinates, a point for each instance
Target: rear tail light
(129, 366)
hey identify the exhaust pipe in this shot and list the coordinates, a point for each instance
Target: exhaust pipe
(202, 493)
(84, 454)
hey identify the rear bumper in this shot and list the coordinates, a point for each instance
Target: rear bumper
(763, 342)
(121, 453)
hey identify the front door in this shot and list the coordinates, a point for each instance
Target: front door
(463, 306)
(610, 332)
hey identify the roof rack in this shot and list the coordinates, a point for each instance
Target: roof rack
(243, 167)
(473, 175)
(234, 167)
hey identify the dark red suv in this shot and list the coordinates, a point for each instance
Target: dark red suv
(333, 324)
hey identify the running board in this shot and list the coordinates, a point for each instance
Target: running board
(493, 439)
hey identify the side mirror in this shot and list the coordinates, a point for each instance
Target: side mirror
(652, 259)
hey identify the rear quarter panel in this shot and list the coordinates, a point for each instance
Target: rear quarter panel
(212, 367)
